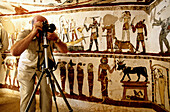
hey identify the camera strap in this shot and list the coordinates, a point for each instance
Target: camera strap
(55, 65)
(39, 50)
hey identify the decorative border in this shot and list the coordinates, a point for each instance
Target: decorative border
(129, 56)
(67, 10)
(158, 58)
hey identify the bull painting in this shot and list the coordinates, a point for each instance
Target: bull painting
(132, 70)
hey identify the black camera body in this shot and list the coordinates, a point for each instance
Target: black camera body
(48, 27)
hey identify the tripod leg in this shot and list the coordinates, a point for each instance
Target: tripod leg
(53, 92)
(34, 92)
(59, 88)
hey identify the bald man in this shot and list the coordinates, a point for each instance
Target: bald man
(26, 47)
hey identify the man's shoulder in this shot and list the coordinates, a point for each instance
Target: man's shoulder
(26, 31)
(23, 34)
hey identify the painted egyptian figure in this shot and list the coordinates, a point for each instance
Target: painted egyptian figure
(73, 29)
(64, 30)
(140, 26)
(110, 36)
(70, 67)
(102, 76)
(9, 63)
(16, 72)
(165, 29)
(62, 67)
(94, 33)
(126, 18)
(80, 77)
(90, 78)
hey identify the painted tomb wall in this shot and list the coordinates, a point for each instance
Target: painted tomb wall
(114, 32)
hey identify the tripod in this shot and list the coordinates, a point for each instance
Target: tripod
(49, 72)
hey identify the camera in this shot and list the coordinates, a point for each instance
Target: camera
(48, 27)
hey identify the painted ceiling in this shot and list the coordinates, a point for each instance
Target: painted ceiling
(29, 6)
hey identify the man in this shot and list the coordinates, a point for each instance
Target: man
(3, 43)
(26, 47)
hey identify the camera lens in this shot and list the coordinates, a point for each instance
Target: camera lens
(51, 28)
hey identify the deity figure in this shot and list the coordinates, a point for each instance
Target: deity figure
(165, 29)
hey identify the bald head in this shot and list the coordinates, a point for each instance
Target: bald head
(38, 18)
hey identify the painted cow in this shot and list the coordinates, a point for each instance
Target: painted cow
(132, 70)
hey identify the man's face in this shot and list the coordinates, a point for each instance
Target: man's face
(40, 20)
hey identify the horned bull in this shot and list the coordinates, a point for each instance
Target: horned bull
(132, 70)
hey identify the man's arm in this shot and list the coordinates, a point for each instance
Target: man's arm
(23, 44)
(61, 46)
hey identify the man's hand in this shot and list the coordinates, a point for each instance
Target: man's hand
(52, 36)
(61, 46)
(37, 27)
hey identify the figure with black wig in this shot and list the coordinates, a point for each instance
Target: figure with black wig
(103, 76)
